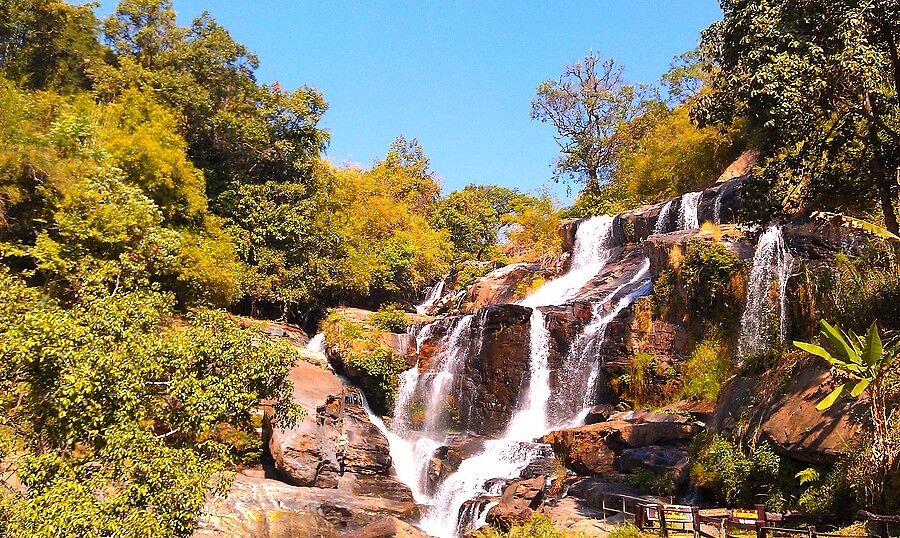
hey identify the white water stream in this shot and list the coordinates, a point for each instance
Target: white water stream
(689, 214)
(433, 296)
(772, 263)
(420, 414)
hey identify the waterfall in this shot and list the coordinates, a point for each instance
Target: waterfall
(317, 343)
(592, 239)
(530, 421)
(581, 369)
(433, 296)
(662, 221)
(771, 262)
(717, 207)
(690, 205)
(506, 457)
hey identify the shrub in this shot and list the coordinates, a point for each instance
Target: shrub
(649, 482)
(366, 361)
(708, 367)
(626, 530)
(539, 526)
(708, 272)
(640, 374)
(470, 273)
(735, 476)
(390, 318)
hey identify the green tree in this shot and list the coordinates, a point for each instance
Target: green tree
(817, 83)
(587, 106)
(475, 217)
(49, 44)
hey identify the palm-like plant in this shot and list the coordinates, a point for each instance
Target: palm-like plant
(864, 362)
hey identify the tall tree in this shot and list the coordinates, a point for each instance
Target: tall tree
(818, 81)
(587, 105)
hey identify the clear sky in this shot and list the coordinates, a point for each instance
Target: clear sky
(459, 76)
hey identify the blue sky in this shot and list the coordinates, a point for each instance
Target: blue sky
(459, 76)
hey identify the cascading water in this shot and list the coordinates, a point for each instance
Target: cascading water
(689, 214)
(434, 294)
(317, 343)
(506, 457)
(581, 369)
(662, 222)
(592, 239)
(717, 207)
(772, 262)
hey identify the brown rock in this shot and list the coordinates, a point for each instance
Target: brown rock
(791, 421)
(306, 455)
(263, 508)
(390, 527)
(519, 501)
(498, 286)
(592, 449)
(741, 166)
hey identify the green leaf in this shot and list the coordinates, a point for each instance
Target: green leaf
(829, 400)
(874, 347)
(840, 343)
(819, 351)
(860, 386)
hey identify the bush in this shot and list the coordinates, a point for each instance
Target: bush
(539, 526)
(366, 361)
(734, 476)
(708, 367)
(649, 482)
(390, 318)
(709, 272)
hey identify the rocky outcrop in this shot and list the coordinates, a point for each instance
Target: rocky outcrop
(257, 507)
(789, 419)
(595, 448)
(658, 248)
(390, 527)
(500, 286)
(520, 499)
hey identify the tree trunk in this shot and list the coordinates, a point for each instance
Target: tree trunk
(593, 182)
(883, 181)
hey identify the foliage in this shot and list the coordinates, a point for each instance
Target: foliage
(119, 413)
(708, 273)
(475, 216)
(390, 318)
(707, 369)
(469, 273)
(588, 105)
(649, 482)
(369, 363)
(538, 526)
(863, 364)
(49, 44)
(817, 83)
(852, 291)
(533, 233)
(734, 476)
(626, 530)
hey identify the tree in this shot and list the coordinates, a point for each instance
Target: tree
(818, 83)
(587, 106)
(864, 365)
(475, 216)
(49, 44)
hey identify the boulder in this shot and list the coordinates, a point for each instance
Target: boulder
(659, 459)
(593, 448)
(741, 166)
(403, 344)
(790, 420)
(499, 286)
(389, 527)
(263, 508)
(306, 454)
(520, 499)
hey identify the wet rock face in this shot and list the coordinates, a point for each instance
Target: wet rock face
(499, 286)
(498, 370)
(791, 421)
(334, 438)
(390, 527)
(595, 448)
